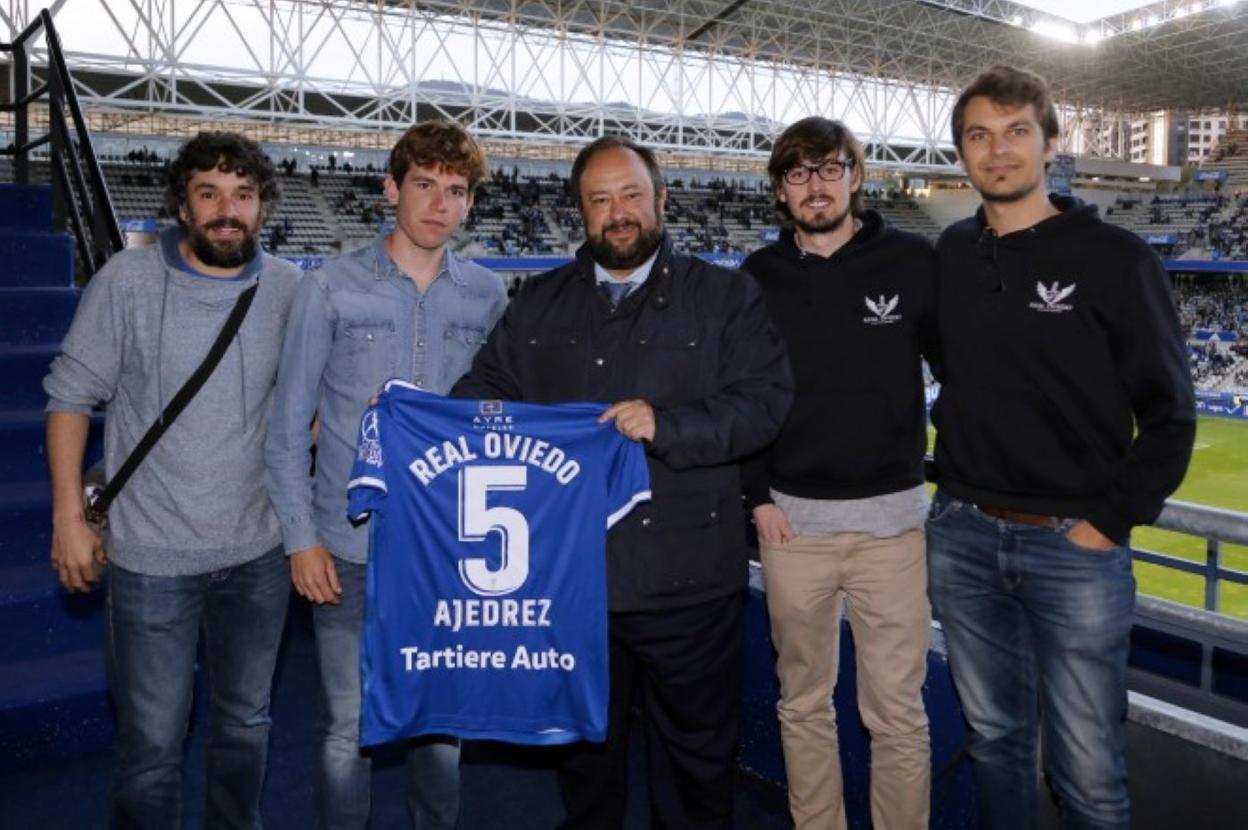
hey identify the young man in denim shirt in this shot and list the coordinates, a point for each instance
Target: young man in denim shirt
(403, 307)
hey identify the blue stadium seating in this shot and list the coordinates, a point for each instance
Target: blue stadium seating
(51, 659)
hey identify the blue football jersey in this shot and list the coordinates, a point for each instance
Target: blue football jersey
(486, 608)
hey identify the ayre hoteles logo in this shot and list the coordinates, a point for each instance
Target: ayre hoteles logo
(490, 416)
(1052, 297)
(883, 310)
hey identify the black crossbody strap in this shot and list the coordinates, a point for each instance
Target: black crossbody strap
(179, 401)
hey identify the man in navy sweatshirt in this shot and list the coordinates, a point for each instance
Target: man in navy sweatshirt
(839, 499)
(1066, 417)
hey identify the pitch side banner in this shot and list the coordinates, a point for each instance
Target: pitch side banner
(1223, 405)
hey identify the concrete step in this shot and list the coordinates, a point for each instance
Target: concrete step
(26, 206)
(36, 259)
(52, 708)
(36, 316)
(42, 619)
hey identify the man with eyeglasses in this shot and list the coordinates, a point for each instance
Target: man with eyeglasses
(839, 499)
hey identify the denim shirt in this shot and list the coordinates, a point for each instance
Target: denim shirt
(358, 321)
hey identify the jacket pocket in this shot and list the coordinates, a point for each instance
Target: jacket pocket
(683, 547)
(683, 356)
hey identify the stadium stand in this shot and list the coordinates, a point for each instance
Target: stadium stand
(1193, 226)
(1231, 157)
(324, 211)
(1214, 315)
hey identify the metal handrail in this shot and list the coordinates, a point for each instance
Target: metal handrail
(1216, 526)
(80, 192)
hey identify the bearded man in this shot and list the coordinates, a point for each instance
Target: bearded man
(697, 374)
(192, 540)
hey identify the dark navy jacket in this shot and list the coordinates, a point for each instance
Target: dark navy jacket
(695, 342)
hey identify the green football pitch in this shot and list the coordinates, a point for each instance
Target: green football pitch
(1218, 476)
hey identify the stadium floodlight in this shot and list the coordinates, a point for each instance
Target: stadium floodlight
(1057, 31)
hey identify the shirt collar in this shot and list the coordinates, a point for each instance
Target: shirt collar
(637, 277)
(451, 265)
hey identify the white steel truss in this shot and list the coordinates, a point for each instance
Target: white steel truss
(699, 77)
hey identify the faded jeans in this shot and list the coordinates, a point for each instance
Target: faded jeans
(1038, 632)
(153, 629)
(345, 772)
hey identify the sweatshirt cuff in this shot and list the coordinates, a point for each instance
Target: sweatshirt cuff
(56, 405)
(299, 535)
(1110, 523)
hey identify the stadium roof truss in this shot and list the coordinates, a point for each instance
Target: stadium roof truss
(705, 77)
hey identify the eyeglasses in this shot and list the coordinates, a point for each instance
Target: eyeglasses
(829, 171)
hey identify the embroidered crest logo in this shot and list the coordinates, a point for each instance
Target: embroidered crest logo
(883, 310)
(1052, 297)
(370, 439)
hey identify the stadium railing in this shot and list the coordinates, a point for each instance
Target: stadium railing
(79, 192)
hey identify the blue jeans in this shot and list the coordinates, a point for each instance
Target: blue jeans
(1038, 632)
(345, 772)
(153, 630)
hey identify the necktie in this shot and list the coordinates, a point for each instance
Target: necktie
(616, 291)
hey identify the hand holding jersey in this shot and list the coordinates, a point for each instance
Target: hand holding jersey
(634, 419)
(477, 581)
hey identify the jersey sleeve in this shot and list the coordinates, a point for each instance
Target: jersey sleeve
(628, 477)
(366, 489)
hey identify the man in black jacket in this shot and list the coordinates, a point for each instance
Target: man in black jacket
(1066, 417)
(698, 375)
(839, 499)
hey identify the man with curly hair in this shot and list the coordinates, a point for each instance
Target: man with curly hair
(193, 541)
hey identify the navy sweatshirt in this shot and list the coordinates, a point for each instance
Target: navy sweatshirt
(1066, 389)
(854, 325)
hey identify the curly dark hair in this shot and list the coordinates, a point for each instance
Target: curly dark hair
(229, 153)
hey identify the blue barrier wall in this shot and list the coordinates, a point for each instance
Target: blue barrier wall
(1222, 404)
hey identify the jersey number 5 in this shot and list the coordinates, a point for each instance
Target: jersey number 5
(477, 521)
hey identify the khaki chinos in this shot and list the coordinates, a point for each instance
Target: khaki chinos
(883, 583)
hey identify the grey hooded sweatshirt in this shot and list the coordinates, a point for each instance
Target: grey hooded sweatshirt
(198, 502)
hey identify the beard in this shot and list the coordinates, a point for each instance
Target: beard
(628, 256)
(1005, 197)
(820, 224)
(231, 254)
